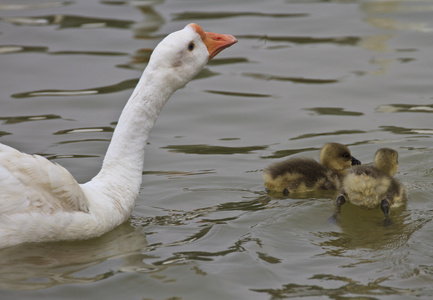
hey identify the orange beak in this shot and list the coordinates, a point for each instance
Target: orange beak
(215, 42)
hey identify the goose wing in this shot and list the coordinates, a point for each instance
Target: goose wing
(32, 183)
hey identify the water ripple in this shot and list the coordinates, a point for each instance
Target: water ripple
(224, 15)
(251, 205)
(288, 152)
(85, 129)
(334, 111)
(405, 108)
(291, 79)
(9, 49)
(228, 60)
(20, 119)
(44, 265)
(123, 85)
(239, 94)
(2, 133)
(403, 130)
(344, 40)
(57, 156)
(337, 132)
(83, 141)
(69, 21)
(178, 174)
(214, 150)
(183, 256)
(350, 287)
(27, 6)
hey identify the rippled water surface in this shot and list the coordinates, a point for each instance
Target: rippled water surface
(302, 74)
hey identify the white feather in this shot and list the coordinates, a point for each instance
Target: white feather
(41, 201)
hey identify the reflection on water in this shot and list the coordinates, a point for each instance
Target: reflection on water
(348, 40)
(239, 94)
(223, 15)
(124, 85)
(20, 119)
(30, 6)
(288, 152)
(291, 79)
(228, 60)
(2, 133)
(387, 7)
(336, 111)
(178, 174)
(392, 24)
(152, 21)
(347, 287)
(43, 265)
(337, 132)
(365, 228)
(81, 130)
(405, 108)
(403, 130)
(204, 255)
(207, 149)
(260, 203)
(67, 22)
(9, 49)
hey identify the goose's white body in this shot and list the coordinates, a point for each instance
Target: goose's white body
(41, 201)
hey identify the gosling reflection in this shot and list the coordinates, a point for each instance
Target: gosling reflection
(363, 229)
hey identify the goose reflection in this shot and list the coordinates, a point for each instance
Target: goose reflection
(43, 265)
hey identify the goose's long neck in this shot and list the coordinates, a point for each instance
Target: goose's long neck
(123, 163)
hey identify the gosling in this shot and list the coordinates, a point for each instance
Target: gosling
(297, 175)
(370, 187)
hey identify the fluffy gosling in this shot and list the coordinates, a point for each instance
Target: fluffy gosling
(370, 187)
(297, 175)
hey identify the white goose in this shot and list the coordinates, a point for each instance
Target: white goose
(41, 201)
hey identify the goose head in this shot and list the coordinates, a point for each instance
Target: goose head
(337, 157)
(386, 160)
(183, 54)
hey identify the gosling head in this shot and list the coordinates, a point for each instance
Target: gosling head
(337, 157)
(386, 160)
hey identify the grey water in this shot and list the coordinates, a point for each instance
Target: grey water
(302, 74)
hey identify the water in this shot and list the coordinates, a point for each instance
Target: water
(302, 74)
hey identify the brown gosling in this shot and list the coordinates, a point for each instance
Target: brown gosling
(297, 175)
(370, 187)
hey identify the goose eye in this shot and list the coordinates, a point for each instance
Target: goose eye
(191, 46)
(347, 156)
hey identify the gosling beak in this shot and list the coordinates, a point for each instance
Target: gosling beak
(215, 42)
(355, 162)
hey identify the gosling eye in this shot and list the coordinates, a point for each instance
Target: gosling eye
(347, 156)
(191, 46)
